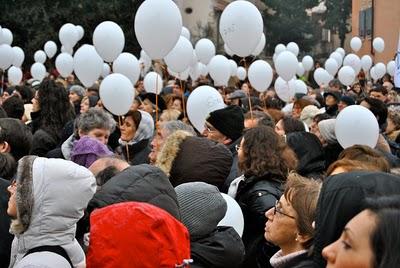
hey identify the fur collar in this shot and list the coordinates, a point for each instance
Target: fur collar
(170, 150)
(24, 195)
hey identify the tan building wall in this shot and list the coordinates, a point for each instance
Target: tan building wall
(385, 24)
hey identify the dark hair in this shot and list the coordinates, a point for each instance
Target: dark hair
(3, 113)
(55, 108)
(8, 166)
(263, 119)
(14, 107)
(378, 108)
(26, 93)
(291, 124)
(265, 151)
(274, 103)
(367, 155)
(302, 103)
(302, 194)
(379, 88)
(321, 117)
(335, 83)
(136, 117)
(103, 176)
(17, 135)
(385, 238)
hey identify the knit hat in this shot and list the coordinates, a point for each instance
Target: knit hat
(348, 100)
(229, 121)
(202, 207)
(308, 113)
(137, 235)
(80, 91)
(327, 130)
(212, 162)
(86, 150)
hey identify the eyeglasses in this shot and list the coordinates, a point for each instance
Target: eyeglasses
(237, 147)
(276, 209)
(208, 128)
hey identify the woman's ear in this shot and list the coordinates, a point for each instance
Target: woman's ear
(302, 238)
(5, 147)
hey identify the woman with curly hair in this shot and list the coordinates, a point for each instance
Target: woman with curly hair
(265, 160)
(51, 111)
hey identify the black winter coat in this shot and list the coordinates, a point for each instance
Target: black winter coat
(255, 196)
(5, 236)
(138, 153)
(234, 173)
(222, 248)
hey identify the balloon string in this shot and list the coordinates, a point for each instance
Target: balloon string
(2, 81)
(183, 98)
(156, 100)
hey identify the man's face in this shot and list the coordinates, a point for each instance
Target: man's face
(157, 144)
(213, 134)
(377, 95)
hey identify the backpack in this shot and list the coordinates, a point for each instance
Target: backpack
(55, 249)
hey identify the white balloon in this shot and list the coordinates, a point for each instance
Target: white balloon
(201, 102)
(260, 46)
(203, 69)
(234, 67)
(205, 50)
(38, 71)
(181, 76)
(158, 25)
(68, 35)
(109, 40)
(373, 73)
(346, 75)
(331, 66)
(106, 70)
(19, 56)
(366, 63)
(88, 65)
(233, 216)
(341, 51)
(356, 124)
(68, 50)
(391, 67)
(40, 56)
(321, 76)
(194, 60)
(300, 87)
(128, 65)
(285, 90)
(64, 64)
(7, 37)
(260, 75)
(194, 71)
(378, 44)
(308, 63)
(14, 75)
(228, 50)
(50, 48)
(353, 61)
(81, 32)
(241, 27)
(117, 93)
(286, 65)
(1, 35)
(355, 43)
(300, 69)
(279, 48)
(180, 56)
(241, 73)
(380, 69)
(153, 83)
(219, 70)
(6, 56)
(185, 33)
(293, 47)
(337, 57)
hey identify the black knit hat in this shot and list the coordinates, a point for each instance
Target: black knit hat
(229, 121)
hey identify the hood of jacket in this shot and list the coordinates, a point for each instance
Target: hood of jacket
(66, 147)
(222, 248)
(342, 198)
(309, 152)
(185, 158)
(51, 197)
(142, 183)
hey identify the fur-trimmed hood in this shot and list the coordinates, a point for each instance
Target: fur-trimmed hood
(51, 197)
(185, 158)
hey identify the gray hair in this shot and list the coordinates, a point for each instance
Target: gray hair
(95, 118)
(175, 125)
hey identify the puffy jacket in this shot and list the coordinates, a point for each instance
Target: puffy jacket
(222, 248)
(51, 196)
(255, 196)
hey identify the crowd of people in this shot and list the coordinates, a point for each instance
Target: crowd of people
(81, 187)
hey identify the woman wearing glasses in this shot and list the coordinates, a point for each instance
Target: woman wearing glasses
(265, 160)
(289, 224)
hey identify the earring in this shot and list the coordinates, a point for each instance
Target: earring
(296, 239)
